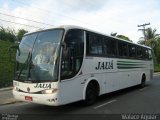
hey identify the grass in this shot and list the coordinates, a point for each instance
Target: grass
(6, 67)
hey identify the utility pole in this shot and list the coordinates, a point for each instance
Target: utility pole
(144, 29)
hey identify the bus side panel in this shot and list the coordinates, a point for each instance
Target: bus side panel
(109, 79)
(71, 90)
(112, 82)
(74, 89)
(129, 77)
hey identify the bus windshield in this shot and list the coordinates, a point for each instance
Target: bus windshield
(37, 56)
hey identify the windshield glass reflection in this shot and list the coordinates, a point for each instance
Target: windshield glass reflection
(37, 56)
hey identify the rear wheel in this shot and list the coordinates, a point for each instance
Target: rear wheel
(91, 94)
(143, 81)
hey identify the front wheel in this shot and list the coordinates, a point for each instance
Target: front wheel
(91, 94)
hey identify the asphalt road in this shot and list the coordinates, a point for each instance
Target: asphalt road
(133, 100)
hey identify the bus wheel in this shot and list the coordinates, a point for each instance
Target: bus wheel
(143, 81)
(91, 94)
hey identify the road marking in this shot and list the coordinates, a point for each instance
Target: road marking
(105, 104)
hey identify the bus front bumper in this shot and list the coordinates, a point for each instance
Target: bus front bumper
(45, 99)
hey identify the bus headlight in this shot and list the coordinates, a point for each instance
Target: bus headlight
(50, 91)
(15, 88)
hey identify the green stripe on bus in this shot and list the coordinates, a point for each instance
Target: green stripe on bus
(130, 65)
(127, 67)
(123, 64)
(128, 62)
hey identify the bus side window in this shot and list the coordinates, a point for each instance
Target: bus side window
(111, 47)
(132, 51)
(94, 44)
(72, 55)
(150, 54)
(139, 52)
(146, 54)
(122, 49)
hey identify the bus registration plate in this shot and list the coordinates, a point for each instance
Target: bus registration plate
(28, 98)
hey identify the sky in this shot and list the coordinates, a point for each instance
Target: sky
(105, 16)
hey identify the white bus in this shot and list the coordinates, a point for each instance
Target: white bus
(68, 64)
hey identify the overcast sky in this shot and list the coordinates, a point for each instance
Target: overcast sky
(106, 16)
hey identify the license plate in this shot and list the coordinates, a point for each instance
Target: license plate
(28, 98)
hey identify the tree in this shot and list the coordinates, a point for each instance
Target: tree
(20, 34)
(151, 39)
(113, 34)
(157, 50)
(7, 34)
(121, 36)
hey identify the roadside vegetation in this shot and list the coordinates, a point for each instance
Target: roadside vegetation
(152, 39)
(8, 38)
(156, 67)
(6, 67)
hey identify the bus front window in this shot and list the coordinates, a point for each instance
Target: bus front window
(38, 60)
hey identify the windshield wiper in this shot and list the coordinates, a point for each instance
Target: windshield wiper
(27, 61)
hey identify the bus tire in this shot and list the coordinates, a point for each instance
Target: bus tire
(143, 81)
(91, 95)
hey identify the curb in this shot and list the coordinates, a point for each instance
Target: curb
(156, 73)
(6, 89)
(8, 101)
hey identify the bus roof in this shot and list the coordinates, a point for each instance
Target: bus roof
(68, 27)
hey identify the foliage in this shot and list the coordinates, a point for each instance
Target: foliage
(7, 39)
(7, 34)
(6, 67)
(157, 50)
(156, 67)
(150, 34)
(20, 34)
(113, 34)
(152, 40)
(121, 36)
